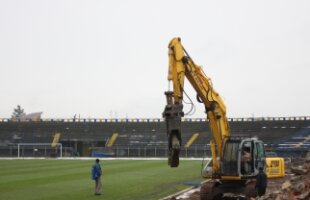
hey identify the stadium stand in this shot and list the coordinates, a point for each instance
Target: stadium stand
(147, 137)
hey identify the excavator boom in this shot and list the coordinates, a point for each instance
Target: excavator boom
(181, 65)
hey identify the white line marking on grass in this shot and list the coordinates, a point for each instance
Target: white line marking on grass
(89, 158)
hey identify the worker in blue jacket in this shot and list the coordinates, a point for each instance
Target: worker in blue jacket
(96, 175)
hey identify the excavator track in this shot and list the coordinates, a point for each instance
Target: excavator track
(209, 191)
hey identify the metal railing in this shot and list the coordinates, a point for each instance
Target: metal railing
(116, 151)
(148, 151)
(147, 120)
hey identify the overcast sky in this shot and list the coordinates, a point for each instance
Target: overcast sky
(103, 59)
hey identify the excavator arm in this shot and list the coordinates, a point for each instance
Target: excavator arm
(181, 65)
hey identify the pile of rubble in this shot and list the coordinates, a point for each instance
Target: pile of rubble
(296, 185)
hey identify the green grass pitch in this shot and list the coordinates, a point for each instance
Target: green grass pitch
(70, 179)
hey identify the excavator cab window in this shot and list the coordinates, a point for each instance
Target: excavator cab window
(259, 156)
(230, 158)
(247, 158)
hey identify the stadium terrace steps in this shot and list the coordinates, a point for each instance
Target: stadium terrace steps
(146, 134)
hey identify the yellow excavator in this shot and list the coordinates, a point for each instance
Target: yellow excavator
(235, 160)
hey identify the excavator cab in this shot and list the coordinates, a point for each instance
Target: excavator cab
(242, 157)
